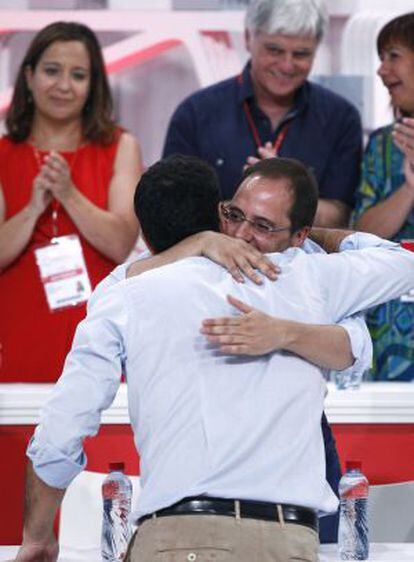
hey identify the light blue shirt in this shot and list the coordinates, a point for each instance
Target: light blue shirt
(204, 423)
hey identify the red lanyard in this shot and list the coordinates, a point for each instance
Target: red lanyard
(280, 137)
(55, 205)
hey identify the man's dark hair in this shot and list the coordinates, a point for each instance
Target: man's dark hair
(176, 197)
(301, 182)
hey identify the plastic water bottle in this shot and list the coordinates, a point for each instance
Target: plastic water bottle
(116, 528)
(353, 526)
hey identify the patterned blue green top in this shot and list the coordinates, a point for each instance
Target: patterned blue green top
(392, 324)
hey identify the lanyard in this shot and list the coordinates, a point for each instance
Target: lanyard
(255, 133)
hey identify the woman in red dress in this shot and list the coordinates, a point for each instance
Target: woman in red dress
(65, 168)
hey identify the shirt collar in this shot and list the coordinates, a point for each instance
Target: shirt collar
(246, 91)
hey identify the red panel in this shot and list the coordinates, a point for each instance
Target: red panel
(13, 443)
(386, 451)
(113, 442)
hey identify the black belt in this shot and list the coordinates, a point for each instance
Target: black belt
(203, 505)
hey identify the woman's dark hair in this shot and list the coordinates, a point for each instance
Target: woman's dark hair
(398, 30)
(301, 181)
(97, 122)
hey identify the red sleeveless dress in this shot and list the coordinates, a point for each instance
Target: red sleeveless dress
(34, 341)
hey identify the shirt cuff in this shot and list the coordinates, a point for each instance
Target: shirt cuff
(52, 466)
(360, 240)
(361, 343)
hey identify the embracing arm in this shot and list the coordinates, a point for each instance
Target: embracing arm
(353, 281)
(111, 231)
(329, 238)
(256, 333)
(329, 346)
(41, 505)
(237, 256)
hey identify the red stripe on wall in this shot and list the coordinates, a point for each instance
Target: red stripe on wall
(141, 56)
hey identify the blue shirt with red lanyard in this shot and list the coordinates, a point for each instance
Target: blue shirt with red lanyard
(323, 130)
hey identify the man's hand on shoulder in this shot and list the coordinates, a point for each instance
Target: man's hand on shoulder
(239, 257)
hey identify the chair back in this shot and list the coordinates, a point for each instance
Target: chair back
(81, 514)
(391, 512)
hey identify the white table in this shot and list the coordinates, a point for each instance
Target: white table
(389, 552)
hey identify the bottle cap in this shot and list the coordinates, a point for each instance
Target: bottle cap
(119, 466)
(352, 465)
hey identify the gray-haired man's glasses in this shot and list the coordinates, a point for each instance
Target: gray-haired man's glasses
(261, 226)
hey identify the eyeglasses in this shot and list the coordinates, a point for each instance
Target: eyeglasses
(261, 226)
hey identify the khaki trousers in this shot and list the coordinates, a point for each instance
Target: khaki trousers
(214, 538)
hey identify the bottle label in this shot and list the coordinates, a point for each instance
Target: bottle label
(357, 491)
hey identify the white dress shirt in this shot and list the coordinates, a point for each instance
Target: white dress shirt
(204, 423)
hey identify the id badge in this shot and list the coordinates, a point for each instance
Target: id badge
(408, 245)
(63, 272)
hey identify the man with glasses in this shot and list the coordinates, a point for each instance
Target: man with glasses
(260, 225)
(232, 461)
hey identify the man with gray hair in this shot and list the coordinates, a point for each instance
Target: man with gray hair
(272, 109)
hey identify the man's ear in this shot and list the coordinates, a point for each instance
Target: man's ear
(148, 245)
(222, 222)
(299, 237)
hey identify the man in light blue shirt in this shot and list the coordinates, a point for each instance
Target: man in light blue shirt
(241, 437)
